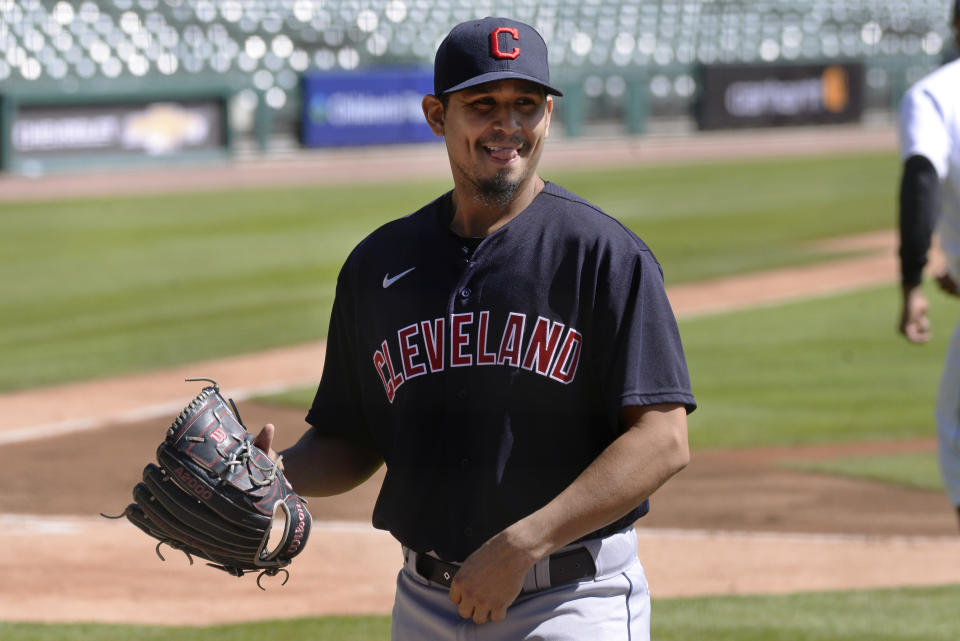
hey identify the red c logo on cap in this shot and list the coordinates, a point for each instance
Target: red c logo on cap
(495, 43)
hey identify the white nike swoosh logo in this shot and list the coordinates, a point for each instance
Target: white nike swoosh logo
(387, 280)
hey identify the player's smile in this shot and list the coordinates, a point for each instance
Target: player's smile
(504, 155)
(502, 152)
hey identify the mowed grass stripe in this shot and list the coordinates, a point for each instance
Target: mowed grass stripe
(918, 470)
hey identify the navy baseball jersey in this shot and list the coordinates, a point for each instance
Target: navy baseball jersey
(489, 375)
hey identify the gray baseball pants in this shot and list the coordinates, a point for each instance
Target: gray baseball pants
(613, 606)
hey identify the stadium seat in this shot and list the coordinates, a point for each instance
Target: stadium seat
(261, 48)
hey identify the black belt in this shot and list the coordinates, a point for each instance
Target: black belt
(565, 567)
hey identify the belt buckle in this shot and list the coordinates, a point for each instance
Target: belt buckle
(572, 565)
(435, 570)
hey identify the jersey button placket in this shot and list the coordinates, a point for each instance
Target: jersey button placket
(463, 293)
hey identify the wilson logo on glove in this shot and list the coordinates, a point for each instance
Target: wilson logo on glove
(217, 496)
(219, 435)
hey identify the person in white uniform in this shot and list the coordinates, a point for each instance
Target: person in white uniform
(930, 203)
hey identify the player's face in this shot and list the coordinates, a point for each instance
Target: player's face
(495, 134)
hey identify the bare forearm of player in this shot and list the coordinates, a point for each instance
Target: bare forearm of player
(320, 466)
(630, 470)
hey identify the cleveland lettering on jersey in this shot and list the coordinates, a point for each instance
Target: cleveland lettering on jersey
(463, 340)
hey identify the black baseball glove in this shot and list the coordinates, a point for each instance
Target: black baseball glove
(216, 496)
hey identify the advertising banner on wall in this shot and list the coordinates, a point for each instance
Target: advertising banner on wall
(158, 128)
(779, 95)
(371, 107)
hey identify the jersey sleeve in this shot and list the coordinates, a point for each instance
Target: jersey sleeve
(923, 130)
(337, 407)
(919, 201)
(644, 364)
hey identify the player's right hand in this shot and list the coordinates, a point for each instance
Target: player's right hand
(914, 323)
(490, 580)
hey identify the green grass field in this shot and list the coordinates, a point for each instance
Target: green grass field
(911, 614)
(110, 286)
(823, 370)
(917, 614)
(917, 470)
(719, 219)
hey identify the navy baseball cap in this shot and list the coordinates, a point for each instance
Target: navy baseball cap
(490, 49)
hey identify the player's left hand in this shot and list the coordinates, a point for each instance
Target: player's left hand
(914, 322)
(490, 580)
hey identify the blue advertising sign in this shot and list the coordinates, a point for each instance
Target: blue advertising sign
(372, 107)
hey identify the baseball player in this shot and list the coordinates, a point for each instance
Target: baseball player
(929, 200)
(508, 351)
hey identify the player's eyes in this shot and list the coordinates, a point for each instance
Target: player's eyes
(487, 104)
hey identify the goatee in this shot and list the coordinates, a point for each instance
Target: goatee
(497, 191)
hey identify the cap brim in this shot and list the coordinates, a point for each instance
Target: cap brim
(501, 75)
